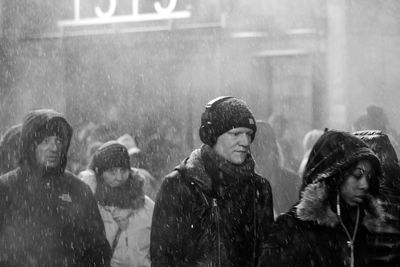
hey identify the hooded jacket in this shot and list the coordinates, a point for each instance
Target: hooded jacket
(48, 218)
(384, 242)
(311, 233)
(193, 225)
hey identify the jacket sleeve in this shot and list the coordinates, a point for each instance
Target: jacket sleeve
(285, 245)
(97, 250)
(265, 214)
(3, 204)
(167, 224)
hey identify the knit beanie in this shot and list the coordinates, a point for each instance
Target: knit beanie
(110, 155)
(224, 116)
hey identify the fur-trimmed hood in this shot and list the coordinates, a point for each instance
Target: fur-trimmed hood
(314, 206)
(330, 158)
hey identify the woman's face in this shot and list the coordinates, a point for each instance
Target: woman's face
(114, 177)
(356, 183)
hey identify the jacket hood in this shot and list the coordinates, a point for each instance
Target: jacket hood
(333, 154)
(38, 121)
(383, 148)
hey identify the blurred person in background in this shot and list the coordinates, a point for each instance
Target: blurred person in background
(337, 208)
(9, 146)
(375, 118)
(124, 207)
(385, 240)
(280, 124)
(269, 163)
(48, 217)
(162, 149)
(213, 209)
(310, 138)
(151, 183)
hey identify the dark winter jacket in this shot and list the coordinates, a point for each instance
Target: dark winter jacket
(311, 234)
(48, 219)
(9, 153)
(200, 206)
(384, 242)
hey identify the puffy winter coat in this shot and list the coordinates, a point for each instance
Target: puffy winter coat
(312, 233)
(193, 225)
(50, 220)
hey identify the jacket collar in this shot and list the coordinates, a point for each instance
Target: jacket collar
(207, 170)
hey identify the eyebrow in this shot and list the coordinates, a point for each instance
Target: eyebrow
(363, 170)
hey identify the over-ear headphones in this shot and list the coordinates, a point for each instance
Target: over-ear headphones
(207, 130)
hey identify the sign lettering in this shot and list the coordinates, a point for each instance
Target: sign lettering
(107, 16)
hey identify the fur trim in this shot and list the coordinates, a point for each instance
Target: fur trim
(314, 206)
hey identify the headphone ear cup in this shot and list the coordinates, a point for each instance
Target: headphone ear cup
(206, 134)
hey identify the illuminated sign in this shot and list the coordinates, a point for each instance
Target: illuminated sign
(166, 12)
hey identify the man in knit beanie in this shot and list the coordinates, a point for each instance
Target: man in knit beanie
(213, 209)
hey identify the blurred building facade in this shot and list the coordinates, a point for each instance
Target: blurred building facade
(319, 63)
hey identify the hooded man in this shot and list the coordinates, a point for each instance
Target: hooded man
(214, 210)
(48, 217)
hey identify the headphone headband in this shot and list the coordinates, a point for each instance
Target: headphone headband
(217, 100)
(206, 118)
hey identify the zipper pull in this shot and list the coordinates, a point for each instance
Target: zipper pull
(214, 202)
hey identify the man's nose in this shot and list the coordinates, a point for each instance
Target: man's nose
(54, 146)
(245, 140)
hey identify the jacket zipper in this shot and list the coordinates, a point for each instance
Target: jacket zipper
(216, 220)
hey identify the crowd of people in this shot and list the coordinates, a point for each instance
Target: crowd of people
(241, 199)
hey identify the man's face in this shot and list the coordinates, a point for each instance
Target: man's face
(48, 152)
(234, 144)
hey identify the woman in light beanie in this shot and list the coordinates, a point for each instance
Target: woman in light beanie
(125, 209)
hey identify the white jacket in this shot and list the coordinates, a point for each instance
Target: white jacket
(134, 243)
